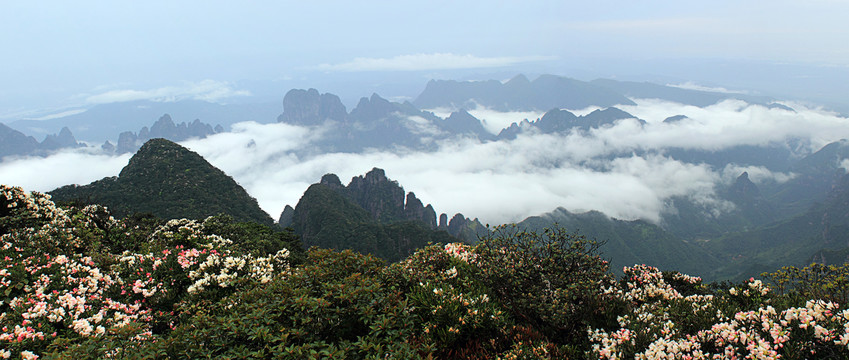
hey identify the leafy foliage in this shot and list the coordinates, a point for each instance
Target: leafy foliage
(77, 283)
(328, 219)
(169, 181)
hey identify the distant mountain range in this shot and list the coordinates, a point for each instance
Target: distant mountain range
(164, 128)
(15, 143)
(763, 225)
(105, 121)
(373, 214)
(518, 94)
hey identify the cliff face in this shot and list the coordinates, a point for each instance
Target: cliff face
(381, 197)
(329, 210)
(370, 215)
(308, 107)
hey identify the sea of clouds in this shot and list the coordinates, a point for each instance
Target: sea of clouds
(620, 170)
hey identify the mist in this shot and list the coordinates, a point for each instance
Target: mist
(620, 170)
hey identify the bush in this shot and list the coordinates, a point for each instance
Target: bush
(552, 281)
(335, 306)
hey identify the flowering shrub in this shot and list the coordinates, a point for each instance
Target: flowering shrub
(552, 281)
(816, 281)
(661, 323)
(60, 284)
(453, 309)
(77, 283)
(335, 306)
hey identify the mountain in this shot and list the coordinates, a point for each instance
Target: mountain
(370, 215)
(777, 156)
(169, 181)
(308, 107)
(794, 241)
(375, 123)
(628, 242)
(164, 128)
(646, 90)
(816, 175)
(741, 207)
(747, 197)
(104, 122)
(462, 123)
(518, 94)
(563, 121)
(15, 143)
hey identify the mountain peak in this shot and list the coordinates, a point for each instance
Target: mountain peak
(308, 107)
(332, 181)
(744, 188)
(518, 80)
(170, 181)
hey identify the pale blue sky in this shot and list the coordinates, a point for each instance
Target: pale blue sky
(62, 52)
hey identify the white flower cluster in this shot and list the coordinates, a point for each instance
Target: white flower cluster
(755, 334)
(460, 251)
(753, 287)
(68, 290)
(52, 223)
(224, 270)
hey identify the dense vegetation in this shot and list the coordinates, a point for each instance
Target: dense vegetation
(77, 283)
(169, 181)
(328, 219)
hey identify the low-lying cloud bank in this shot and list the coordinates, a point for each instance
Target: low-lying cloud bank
(207, 90)
(621, 170)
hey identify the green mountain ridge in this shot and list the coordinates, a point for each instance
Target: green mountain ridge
(169, 181)
(327, 218)
(626, 243)
(822, 229)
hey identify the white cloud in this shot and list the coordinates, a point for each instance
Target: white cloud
(208, 90)
(757, 174)
(78, 166)
(497, 181)
(693, 86)
(434, 61)
(500, 181)
(495, 121)
(723, 125)
(58, 115)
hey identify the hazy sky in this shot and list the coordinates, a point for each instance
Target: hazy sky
(69, 53)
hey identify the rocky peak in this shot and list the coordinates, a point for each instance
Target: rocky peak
(13, 142)
(674, 119)
(462, 123)
(308, 107)
(164, 127)
(556, 120)
(744, 188)
(63, 140)
(286, 217)
(373, 108)
(415, 210)
(600, 117)
(518, 81)
(378, 195)
(443, 221)
(332, 181)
